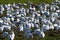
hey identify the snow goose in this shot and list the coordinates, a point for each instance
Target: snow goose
(28, 34)
(39, 32)
(5, 34)
(11, 35)
(6, 27)
(1, 28)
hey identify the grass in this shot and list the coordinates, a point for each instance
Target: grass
(17, 1)
(19, 36)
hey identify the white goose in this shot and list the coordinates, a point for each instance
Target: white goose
(28, 34)
(21, 27)
(39, 32)
(5, 34)
(11, 36)
(1, 29)
(45, 27)
(6, 27)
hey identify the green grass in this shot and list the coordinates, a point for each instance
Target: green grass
(19, 36)
(17, 1)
